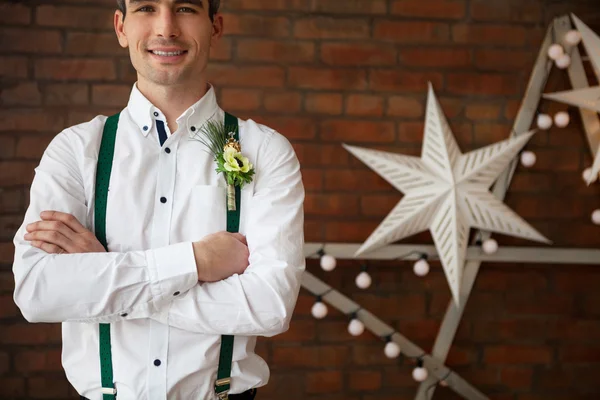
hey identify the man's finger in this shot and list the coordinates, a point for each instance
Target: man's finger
(240, 237)
(53, 238)
(57, 226)
(48, 247)
(67, 219)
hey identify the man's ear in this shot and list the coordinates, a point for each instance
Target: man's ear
(217, 29)
(119, 21)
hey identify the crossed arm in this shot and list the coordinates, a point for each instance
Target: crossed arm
(63, 274)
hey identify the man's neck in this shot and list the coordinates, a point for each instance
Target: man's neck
(172, 100)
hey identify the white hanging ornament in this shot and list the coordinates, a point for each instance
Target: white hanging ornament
(555, 51)
(596, 217)
(356, 327)
(544, 121)
(587, 174)
(528, 159)
(563, 61)
(490, 246)
(363, 280)
(562, 119)
(420, 374)
(319, 310)
(573, 37)
(328, 262)
(391, 350)
(421, 267)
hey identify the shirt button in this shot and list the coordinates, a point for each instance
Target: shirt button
(157, 363)
(193, 129)
(163, 200)
(176, 294)
(167, 150)
(124, 314)
(145, 128)
(155, 114)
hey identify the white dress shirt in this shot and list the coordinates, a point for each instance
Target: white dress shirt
(165, 325)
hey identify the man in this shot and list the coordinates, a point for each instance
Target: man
(170, 281)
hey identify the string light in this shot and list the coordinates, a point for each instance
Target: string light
(363, 279)
(355, 327)
(563, 61)
(562, 119)
(490, 246)
(528, 159)
(319, 309)
(421, 267)
(555, 51)
(420, 373)
(328, 262)
(544, 121)
(391, 349)
(573, 37)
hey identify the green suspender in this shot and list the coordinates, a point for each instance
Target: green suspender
(105, 159)
(223, 383)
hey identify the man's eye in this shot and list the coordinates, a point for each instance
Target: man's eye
(145, 9)
(186, 10)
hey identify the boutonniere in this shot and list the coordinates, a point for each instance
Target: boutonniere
(227, 153)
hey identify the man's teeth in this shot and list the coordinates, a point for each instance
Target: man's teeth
(167, 53)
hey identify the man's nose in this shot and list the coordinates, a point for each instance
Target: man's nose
(167, 26)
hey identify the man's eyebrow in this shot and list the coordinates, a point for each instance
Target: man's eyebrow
(193, 2)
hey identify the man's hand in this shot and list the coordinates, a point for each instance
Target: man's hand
(61, 233)
(220, 255)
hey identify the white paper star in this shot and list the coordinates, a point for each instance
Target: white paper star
(587, 98)
(446, 192)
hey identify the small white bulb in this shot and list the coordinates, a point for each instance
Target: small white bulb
(563, 61)
(596, 217)
(391, 350)
(555, 51)
(528, 159)
(573, 37)
(490, 246)
(587, 174)
(562, 119)
(319, 310)
(356, 327)
(421, 267)
(328, 262)
(544, 121)
(420, 374)
(363, 280)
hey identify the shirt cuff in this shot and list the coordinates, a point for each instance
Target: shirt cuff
(172, 270)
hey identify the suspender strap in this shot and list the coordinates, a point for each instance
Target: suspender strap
(223, 383)
(105, 159)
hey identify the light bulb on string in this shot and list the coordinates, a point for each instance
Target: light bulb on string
(555, 51)
(391, 349)
(356, 326)
(562, 119)
(587, 174)
(544, 121)
(363, 279)
(328, 262)
(563, 61)
(421, 267)
(319, 309)
(596, 217)
(528, 159)
(420, 373)
(573, 37)
(490, 246)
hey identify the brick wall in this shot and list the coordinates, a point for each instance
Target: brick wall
(325, 72)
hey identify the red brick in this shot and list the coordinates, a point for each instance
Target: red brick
(411, 32)
(33, 146)
(510, 10)
(275, 51)
(222, 51)
(355, 180)
(459, 356)
(48, 387)
(312, 179)
(357, 131)
(350, 7)
(323, 103)
(30, 120)
(66, 94)
(16, 172)
(285, 102)
(540, 304)
(378, 205)
(13, 67)
(517, 377)
(445, 9)
(292, 127)
(580, 354)
(436, 57)
(517, 354)
(504, 60)
(25, 93)
(324, 78)
(7, 253)
(313, 230)
(365, 380)
(364, 105)
(388, 307)
(261, 5)
(354, 231)
(85, 43)
(553, 379)
(74, 17)
(8, 308)
(331, 28)
(15, 14)
(240, 99)
(23, 40)
(12, 386)
(482, 111)
(300, 331)
(482, 84)
(244, 76)
(357, 54)
(110, 95)
(11, 201)
(4, 362)
(506, 35)
(316, 155)
(256, 25)
(323, 382)
(30, 334)
(33, 361)
(403, 81)
(310, 356)
(556, 160)
(75, 69)
(370, 355)
(337, 331)
(405, 106)
(330, 205)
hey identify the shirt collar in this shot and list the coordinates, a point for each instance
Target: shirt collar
(144, 113)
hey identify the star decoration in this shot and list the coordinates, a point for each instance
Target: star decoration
(446, 192)
(586, 98)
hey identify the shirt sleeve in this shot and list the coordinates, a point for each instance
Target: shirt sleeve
(89, 287)
(261, 300)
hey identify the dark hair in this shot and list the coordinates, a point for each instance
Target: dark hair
(213, 7)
